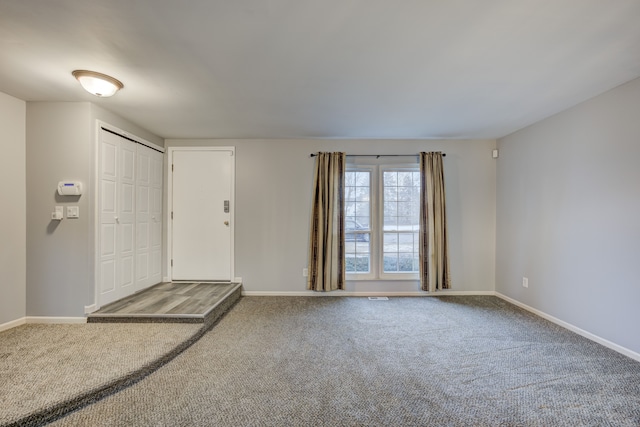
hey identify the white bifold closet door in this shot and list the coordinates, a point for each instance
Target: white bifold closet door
(148, 217)
(130, 217)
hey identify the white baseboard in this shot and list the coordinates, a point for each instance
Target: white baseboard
(613, 346)
(13, 324)
(55, 320)
(88, 309)
(362, 294)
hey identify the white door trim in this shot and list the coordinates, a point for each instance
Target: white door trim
(169, 201)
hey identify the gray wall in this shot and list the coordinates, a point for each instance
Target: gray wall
(59, 147)
(568, 216)
(60, 255)
(13, 201)
(273, 200)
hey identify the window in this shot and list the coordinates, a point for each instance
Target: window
(401, 219)
(382, 221)
(357, 221)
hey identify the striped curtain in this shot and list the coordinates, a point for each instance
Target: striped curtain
(434, 260)
(326, 252)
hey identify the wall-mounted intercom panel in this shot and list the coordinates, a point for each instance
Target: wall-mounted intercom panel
(70, 188)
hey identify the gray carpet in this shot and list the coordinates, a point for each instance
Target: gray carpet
(450, 361)
(46, 371)
(45, 366)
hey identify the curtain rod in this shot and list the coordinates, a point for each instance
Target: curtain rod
(377, 156)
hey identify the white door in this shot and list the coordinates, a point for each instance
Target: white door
(129, 229)
(117, 218)
(143, 217)
(126, 219)
(109, 146)
(155, 203)
(148, 217)
(202, 211)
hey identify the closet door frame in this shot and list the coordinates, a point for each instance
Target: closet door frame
(97, 221)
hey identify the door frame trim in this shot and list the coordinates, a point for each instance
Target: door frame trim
(169, 203)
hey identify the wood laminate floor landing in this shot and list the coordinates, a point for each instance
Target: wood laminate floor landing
(171, 302)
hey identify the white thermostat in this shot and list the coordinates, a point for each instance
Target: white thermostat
(70, 188)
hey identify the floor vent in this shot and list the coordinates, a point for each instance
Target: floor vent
(378, 299)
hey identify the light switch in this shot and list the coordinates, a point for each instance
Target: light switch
(73, 212)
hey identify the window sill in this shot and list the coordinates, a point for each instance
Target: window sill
(354, 278)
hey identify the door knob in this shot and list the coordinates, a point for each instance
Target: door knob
(226, 223)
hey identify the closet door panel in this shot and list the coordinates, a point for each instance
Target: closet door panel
(155, 237)
(126, 217)
(107, 287)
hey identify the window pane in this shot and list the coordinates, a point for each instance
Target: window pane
(350, 193)
(357, 252)
(405, 179)
(349, 179)
(362, 209)
(362, 264)
(390, 194)
(404, 209)
(405, 263)
(405, 242)
(349, 244)
(390, 223)
(349, 209)
(362, 179)
(416, 265)
(362, 194)
(390, 209)
(350, 263)
(405, 222)
(362, 223)
(405, 194)
(390, 263)
(390, 243)
(390, 179)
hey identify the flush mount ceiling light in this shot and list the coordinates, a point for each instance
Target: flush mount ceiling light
(97, 84)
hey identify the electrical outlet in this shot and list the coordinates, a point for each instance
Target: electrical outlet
(525, 282)
(305, 272)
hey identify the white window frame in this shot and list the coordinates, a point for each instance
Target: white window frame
(373, 259)
(380, 224)
(376, 223)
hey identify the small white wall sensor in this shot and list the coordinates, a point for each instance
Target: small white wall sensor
(57, 214)
(70, 188)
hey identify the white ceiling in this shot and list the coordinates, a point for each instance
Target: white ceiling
(323, 68)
